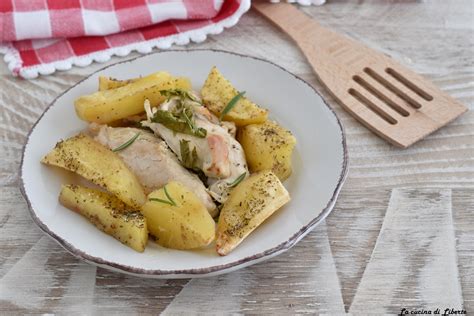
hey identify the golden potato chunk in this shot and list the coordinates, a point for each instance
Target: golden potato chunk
(178, 219)
(107, 83)
(249, 204)
(217, 92)
(118, 103)
(268, 146)
(107, 213)
(88, 158)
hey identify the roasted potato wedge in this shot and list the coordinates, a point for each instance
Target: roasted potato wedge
(268, 146)
(249, 204)
(118, 103)
(88, 158)
(107, 83)
(184, 225)
(217, 92)
(107, 213)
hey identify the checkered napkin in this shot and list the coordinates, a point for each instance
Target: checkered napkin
(42, 36)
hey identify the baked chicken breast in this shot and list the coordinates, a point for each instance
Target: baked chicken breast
(200, 141)
(150, 159)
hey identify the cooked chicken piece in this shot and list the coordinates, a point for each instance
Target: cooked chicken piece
(227, 125)
(218, 154)
(230, 127)
(150, 159)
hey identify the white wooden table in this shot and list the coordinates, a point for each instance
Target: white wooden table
(401, 234)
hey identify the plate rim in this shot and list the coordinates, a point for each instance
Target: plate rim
(215, 269)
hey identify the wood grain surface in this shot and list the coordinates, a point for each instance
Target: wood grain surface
(401, 234)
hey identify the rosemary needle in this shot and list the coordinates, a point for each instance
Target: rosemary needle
(127, 143)
(160, 200)
(231, 104)
(170, 201)
(168, 196)
(237, 181)
(190, 124)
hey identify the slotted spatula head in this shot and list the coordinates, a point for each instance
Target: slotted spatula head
(397, 104)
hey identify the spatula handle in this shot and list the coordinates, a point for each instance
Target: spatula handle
(300, 27)
(309, 35)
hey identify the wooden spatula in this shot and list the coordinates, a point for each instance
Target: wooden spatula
(397, 104)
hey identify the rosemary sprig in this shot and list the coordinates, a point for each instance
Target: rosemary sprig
(191, 125)
(178, 124)
(196, 131)
(127, 143)
(237, 181)
(170, 200)
(189, 158)
(169, 196)
(231, 104)
(182, 94)
(160, 200)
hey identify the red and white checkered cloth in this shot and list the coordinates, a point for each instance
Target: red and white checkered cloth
(42, 36)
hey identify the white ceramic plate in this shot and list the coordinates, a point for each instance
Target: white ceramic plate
(320, 167)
